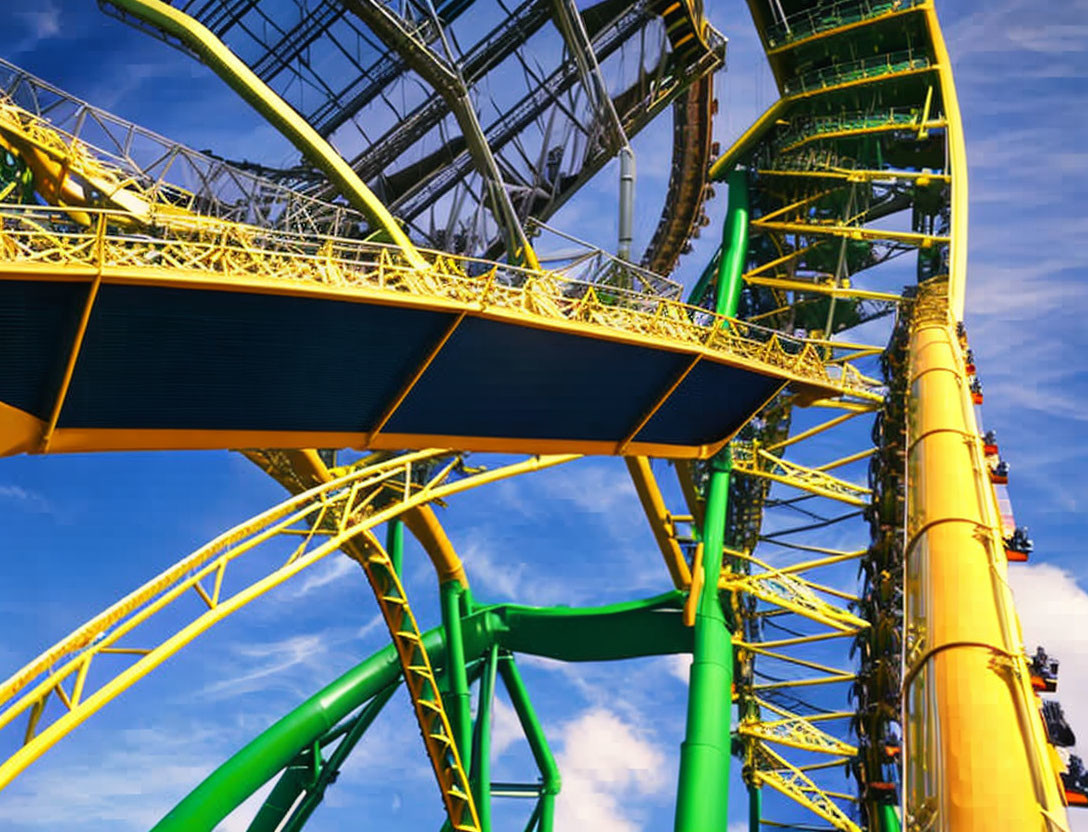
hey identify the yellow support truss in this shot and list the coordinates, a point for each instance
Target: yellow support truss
(791, 592)
(38, 242)
(309, 526)
(749, 458)
(795, 731)
(771, 769)
(434, 723)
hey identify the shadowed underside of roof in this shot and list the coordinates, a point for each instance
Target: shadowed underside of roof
(169, 367)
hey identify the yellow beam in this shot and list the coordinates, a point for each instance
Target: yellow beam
(846, 27)
(973, 737)
(858, 82)
(833, 290)
(357, 488)
(852, 232)
(846, 460)
(860, 176)
(957, 152)
(661, 521)
(933, 124)
(725, 163)
(815, 431)
(279, 114)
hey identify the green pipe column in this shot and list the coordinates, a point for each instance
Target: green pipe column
(394, 544)
(702, 800)
(336, 760)
(459, 698)
(650, 627)
(734, 249)
(480, 781)
(755, 807)
(551, 782)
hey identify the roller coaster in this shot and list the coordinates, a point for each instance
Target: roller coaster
(837, 536)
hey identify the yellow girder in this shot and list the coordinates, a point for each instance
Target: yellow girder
(829, 288)
(662, 522)
(792, 593)
(919, 125)
(774, 770)
(752, 460)
(850, 175)
(247, 258)
(794, 731)
(419, 678)
(852, 232)
(317, 521)
(834, 31)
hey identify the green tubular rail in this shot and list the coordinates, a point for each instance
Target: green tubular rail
(538, 744)
(702, 798)
(638, 628)
(311, 776)
(460, 706)
(481, 740)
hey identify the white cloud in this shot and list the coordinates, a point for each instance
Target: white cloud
(25, 499)
(265, 663)
(131, 783)
(679, 667)
(1053, 611)
(334, 568)
(605, 761)
(505, 728)
(510, 578)
(42, 22)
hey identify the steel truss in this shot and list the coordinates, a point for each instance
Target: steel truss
(466, 137)
(851, 185)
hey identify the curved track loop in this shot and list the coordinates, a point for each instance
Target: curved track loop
(682, 215)
(321, 520)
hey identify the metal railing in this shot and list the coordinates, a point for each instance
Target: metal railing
(824, 17)
(156, 168)
(866, 68)
(52, 241)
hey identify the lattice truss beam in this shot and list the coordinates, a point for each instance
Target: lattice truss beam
(849, 178)
(56, 692)
(849, 169)
(806, 533)
(446, 118)
(796, 536)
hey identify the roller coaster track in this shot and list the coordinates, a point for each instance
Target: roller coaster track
(845, 455)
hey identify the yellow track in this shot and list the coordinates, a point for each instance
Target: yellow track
(322, 519)
(975, 743)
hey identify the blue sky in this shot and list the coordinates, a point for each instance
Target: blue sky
(80, 531)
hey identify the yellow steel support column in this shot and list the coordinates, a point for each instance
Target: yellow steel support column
(975, 753)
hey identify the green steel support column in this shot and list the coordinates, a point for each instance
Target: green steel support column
(755, 807)
(702, 800)
(706, 278)
(299, 776)
(394, 544)
(480, 780)
(460, 705)
(734, 246)
(533, 818)
(650, 627)
(538, 742)
(336, 760)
